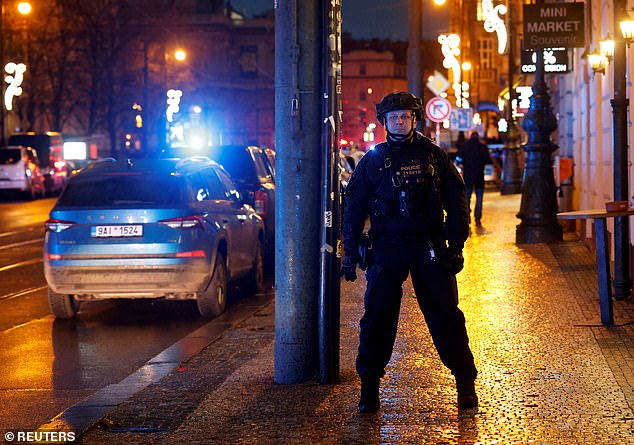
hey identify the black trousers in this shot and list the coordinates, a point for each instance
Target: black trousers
(437, 296)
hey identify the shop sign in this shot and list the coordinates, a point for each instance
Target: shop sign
(556, 60)
(554, 25)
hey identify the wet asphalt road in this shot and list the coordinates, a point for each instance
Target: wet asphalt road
(50, 365)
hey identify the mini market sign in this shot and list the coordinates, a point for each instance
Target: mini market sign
(554, 25)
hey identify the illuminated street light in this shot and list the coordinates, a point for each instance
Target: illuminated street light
(597, 62)
(606, 47)
(627, 29)
(180, 54)
(24, 8)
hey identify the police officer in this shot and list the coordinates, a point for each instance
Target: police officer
(406, 185)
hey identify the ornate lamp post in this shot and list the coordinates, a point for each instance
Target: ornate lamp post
(538, 209)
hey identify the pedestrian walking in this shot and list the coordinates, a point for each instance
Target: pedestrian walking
(406, 185)
(474, 155)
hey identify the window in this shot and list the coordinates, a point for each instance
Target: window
(122, 189)
(229, 187)
(363, 95)
(249, 61)
(362, 70)
(485, 51)
(10, 156)
(217, 190)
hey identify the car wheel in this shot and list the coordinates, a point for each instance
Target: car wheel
(213, 300)
(256, 280)
(62, 305)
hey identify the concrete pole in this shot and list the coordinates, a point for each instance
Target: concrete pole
(3, 125)
(329, 295)
(145, 108)
(298, 127)
(622, 281)
(414, 48)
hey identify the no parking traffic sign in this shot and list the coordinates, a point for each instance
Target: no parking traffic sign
(438, 109)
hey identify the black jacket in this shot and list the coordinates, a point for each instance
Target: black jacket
(372, 192)
(475, 155)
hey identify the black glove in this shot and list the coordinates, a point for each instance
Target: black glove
(455, 261)
(349, 267)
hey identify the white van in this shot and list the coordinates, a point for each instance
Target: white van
(20, 171)
(49, 147)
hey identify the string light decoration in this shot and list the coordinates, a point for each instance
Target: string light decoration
(494, 23)
(450, 47)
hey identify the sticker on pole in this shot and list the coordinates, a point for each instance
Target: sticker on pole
(438, 109)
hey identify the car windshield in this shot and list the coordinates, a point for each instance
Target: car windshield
(9, 156)
(123, 190)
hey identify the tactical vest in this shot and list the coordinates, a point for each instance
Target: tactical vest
(407, 196)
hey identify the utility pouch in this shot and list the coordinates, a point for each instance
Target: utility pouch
(365, 251)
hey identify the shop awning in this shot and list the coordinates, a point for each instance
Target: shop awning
(486, 105)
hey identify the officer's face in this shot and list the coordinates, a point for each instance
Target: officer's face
(400, 121)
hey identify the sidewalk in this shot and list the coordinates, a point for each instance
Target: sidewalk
(549, 374)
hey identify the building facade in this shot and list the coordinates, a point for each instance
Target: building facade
(367, 76)
(372, 69)
(580, 99)
(225, 85)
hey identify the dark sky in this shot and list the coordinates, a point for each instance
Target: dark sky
(371, 18)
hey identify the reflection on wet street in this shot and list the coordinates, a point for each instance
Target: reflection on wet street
(544, 377)
(541, 379)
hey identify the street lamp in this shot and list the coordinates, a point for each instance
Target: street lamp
(627, 29)
(511, 172)
(620, 102)
(598, 62)
(414, 48)
(148, 117)
(606, 47)
(180, 55)
(172, 97)
(24, 8)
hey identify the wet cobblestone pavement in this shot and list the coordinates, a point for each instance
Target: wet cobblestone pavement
(549, 372)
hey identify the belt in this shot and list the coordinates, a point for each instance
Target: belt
(401, 238)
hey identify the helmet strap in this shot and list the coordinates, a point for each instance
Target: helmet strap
(398, 140)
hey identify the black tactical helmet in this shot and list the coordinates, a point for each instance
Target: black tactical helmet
(399, 101)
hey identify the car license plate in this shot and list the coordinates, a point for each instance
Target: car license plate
(116, 231)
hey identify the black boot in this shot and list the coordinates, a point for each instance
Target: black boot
(369, 402)
(467, 397)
